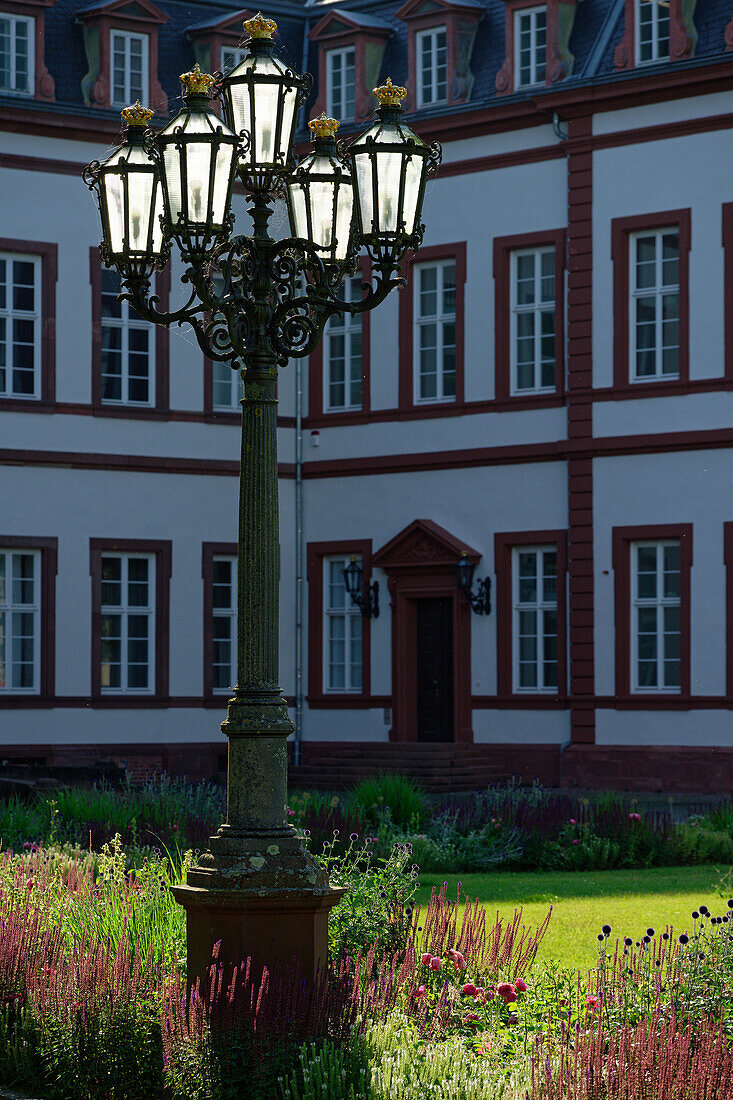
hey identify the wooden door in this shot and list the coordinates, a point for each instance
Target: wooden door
(435, 669)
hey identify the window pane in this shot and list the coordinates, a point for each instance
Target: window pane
(111, 582)
(137, 586)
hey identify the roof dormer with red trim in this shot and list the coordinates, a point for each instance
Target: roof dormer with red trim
(654, 31)
(440, 41)
(537, 44)
(121, 43)
(26, 73)
(217, 43)
(350, 51)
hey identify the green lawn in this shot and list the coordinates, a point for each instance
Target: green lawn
(630, 901)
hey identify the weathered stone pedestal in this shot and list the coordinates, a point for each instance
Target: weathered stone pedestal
(264, 897)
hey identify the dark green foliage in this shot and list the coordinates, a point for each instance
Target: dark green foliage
(408, 805)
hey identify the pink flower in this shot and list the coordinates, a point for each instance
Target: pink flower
(520, 986)
(420, 991)
(425, 959)
(175, 828)
(469, 989)
(505, 990)
(435, 963)
(576, 842)
(510, 998)
(457, 958)
(291, 813)
(635, 817)
(471, 1018)
(573, 821)
(593, 1003)
(513, 1019)
(29, 885)
(26, 843)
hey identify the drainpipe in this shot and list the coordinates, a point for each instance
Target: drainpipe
(565, 745)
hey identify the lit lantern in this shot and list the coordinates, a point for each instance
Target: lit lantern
(320, 194)
(198, 154)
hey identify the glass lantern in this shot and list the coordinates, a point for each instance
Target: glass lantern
(320, 195)
(198, 153)
(390, 165)
(130, 199)
(261, 98)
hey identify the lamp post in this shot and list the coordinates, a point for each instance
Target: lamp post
(255, 302)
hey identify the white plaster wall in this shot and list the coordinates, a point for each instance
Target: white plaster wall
(81, 726)
(680, 728)
(683, 413)
(345, 725)
(665, 175)
(656, 114)
(523, 727)
(491, 145)
(682, 487)
(472, 504)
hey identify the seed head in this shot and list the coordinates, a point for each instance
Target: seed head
(628, 941)
(606, 930)
(704, 910)
(650, 931)
(684, 938)
(695, 914)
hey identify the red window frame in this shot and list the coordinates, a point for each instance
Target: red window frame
(48, 254)
(621, 230)
(503, 249)
(682, 37)
(622, 538)
(460, 29)
(162, 550)
(99, 23)
(317, 414)
(45, 86)
(48, 548)
(317, 696)
(161, 346)
(209, 551)
(457, 252)
(337, 31)
(505, 542)
(559, 60)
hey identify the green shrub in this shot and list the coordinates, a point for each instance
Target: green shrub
(404, 800)
(698, 843)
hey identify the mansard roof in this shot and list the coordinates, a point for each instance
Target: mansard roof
(597, 30)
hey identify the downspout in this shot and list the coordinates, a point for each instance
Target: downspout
(299, 580)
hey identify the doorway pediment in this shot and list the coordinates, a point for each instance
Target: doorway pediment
(423, 545)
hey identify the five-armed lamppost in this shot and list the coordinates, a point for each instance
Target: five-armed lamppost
(255, 302)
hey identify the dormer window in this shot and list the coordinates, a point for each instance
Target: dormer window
(230, 57)
(652, 31)
(432, 61)
(17, 35)
(351, 46)
(121, 43)
(530, 43)
(440, 41)
(341, 84)
(129, 68)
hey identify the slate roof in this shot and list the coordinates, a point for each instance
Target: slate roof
(598, 27)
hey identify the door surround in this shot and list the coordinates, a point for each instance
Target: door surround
(420, 563)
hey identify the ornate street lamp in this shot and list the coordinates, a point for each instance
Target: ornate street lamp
(255, 303)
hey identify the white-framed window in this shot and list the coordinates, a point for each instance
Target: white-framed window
(342, 353)
(17, 54)
(128, 623)
(342, 634)
(431, 47)
(231, 56)
(534, 626)
(341, 84)
(656, 608)
(227, 387)
(128, 345)
(20, 617)
(129, 68)
(435, 331)
(652, 31)
(654, 324)
(530, 46)
(20, 325)
(224, 623)
(533, 356)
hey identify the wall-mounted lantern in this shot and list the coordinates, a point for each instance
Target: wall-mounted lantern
(367, 601)
(480, 600)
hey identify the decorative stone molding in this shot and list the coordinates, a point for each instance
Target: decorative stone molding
(97, 22)
(210, 37)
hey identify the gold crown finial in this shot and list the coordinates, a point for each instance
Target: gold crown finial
(259, 27)
(136, 114)
(323, 126)
(389, 94)
(197, 82)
